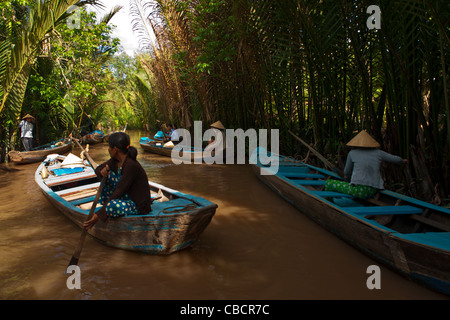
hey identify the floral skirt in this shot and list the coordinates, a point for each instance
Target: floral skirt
(355, 190)
(117, 207)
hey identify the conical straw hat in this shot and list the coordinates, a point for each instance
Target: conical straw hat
(218, 125)
(363, 140)
(28, 116)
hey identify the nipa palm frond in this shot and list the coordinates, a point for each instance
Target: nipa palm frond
(17, 58)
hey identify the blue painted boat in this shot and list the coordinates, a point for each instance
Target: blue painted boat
(159, 135)
(187, 154)
(406, 234)
(157, 147)
(175, 222)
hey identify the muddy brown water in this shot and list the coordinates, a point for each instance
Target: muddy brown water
(256, 247)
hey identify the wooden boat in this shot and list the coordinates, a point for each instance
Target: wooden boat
(406, 234)
(40, 153)
(93, 137)
(175, 222)
(194, 155)
(157, 147)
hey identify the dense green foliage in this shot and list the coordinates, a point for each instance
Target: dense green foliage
(312, 67)
(64, 78)
(25, 29)
(70, 80)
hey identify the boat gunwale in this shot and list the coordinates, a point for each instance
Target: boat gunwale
(37, 155)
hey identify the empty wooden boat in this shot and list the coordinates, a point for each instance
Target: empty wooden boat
(185, 154)
(406, 234)
(157, 147)
(175, 222)
(40, 153)
(94, 137)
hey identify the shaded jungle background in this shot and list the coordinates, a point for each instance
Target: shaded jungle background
(312, 68)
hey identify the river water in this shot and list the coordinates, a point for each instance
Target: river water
(257, 246)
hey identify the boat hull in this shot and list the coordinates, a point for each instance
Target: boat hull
(93, 137)
(160, 232)
(208, 155)
(409, 254)
(25, 157)
(157, 147)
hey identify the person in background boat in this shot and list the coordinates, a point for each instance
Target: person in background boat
(126, 191)
(88, 126)
(173, 133)
(219, 127)
(362, 168)
(26, 131)
(90, 123)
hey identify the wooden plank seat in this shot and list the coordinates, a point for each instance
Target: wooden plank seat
(308, 182)
(289, 170)
(331, 194)
(83, 200)
(75, 190)
(88, 206)
(385, 210)
(53, 181)
(90, 199)
(432, 223)
(303, 175)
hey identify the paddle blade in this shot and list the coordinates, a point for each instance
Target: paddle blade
(73, 261)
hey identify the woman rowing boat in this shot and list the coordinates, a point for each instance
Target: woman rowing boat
(126, 191)
(362, 168)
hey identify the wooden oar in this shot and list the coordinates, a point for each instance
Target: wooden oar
(91, 161)
(76, 256)
(322, 158)
(77, 253)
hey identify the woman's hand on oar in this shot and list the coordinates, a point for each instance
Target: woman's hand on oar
(105, 171)
(91, 222)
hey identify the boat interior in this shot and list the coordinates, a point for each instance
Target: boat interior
(80, 186)
(397, 212)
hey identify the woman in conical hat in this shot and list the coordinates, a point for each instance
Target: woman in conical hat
(363, 140)
(217, 143)
(26, 131)
(362, 168)
(28, 116)
(218, 125)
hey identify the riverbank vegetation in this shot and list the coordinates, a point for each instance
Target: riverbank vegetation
(314, 68)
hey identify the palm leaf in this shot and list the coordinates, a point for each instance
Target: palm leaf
(17, 53)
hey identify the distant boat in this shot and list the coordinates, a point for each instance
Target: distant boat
(158, 147)
(195, 155)
(40, 153)
(406, 234)
(93, 137)
(175, 222)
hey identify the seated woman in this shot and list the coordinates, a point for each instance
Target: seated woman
(126, 191)
(363, 165)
